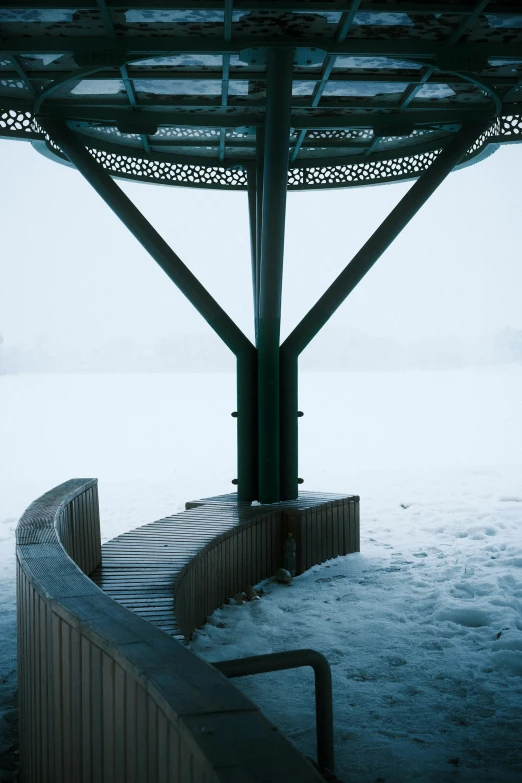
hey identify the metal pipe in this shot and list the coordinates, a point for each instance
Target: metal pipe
(260, 160)
(293, 659)
(289, 434)
(252, 218)
(275, 178)
(247, 450)
(147, 235)
(389, 229)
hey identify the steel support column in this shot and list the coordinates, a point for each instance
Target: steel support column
(335, 295)
(260, 159)
(253, 221)
(275, 179)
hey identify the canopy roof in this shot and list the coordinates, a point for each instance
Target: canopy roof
(175, 93)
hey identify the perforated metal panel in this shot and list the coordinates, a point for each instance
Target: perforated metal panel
(176, 95)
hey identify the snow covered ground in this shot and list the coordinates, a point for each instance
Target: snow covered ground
(423, 628)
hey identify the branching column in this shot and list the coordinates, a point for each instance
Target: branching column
(274, 186)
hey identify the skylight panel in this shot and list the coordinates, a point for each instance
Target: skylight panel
(98, 87)
(300, 88)
(179, 86)
(435, 91)
(505, 20)
(45, 58)
(332, 17)
(207, 60)
(173, 17)
(238, 87)
(382, 20)
(36, 15)
(364, 89)
(376, 62)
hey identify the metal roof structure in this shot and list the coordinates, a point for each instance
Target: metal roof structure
(175, 92)
(265, 96)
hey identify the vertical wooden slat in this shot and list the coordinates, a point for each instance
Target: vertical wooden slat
(329, 529)
(52, 714)
(33, 666)
(152, 741)
(66, 676)
(86, 709)
(357, 510)
(346, 528)
(92, 530)
(96, 716)
(45, 678)
(119, 723)
(174, 754)
(25, 680)
(248, 553)
(141, 735)
(335, 527)
(84, 533)
(185, 764)
(131, 731)
(321, 513)
(163, 750)
(97, 530)
(310, 539)
(262, 560)
(56, 624)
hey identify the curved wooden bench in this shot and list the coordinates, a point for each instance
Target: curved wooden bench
(176, 571)
(104, 695)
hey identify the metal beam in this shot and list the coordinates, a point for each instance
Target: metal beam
(157, 104)
(147, 235)
(391, 227)
(260, 164)
(420, 8)
(252, 219)
(275, 178)
(349, 278)
(226, 73)
(101, 47)
(412, 91)
(340, 75)
(343, 29)
(21, 73)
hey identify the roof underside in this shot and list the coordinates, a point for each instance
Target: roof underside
(174, 92)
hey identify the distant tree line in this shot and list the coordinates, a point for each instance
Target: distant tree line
(333, 350)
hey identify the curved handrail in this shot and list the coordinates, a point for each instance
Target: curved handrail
(103, 695)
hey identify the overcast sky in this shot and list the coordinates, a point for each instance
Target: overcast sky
(71, 273)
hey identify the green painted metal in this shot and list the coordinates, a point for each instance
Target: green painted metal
(247, 426)
(164, 45)
(252, 219)
(275, 178)
(389, 229)
(136, 117)
(419, 8)
(289, 414)
(260, 160)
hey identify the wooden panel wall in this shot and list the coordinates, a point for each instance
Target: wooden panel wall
(253, 551)
(106, 697)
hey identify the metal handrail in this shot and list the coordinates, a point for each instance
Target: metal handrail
(292, 659)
